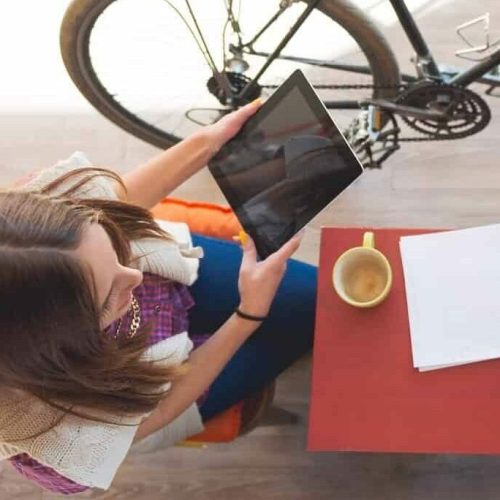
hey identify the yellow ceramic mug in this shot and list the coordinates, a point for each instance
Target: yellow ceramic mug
(362, 276)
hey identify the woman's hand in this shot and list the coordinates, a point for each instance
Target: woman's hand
(259, 281)
(227, 127)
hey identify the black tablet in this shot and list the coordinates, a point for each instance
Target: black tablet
(285, 165)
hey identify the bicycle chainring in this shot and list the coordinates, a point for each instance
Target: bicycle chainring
(237, 82)
(466, 112)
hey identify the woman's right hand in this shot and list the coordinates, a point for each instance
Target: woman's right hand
(259, 281)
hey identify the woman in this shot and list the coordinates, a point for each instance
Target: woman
(95, 305)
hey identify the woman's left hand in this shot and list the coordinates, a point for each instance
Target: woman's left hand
(227, 127)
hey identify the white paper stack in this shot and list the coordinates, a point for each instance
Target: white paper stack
(452, 284)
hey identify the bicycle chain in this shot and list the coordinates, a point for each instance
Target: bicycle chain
(359, 86)
(400, 86)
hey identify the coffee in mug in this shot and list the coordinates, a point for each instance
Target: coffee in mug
(362, 276)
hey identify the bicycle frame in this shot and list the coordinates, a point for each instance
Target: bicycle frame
(275, 54)
(426, 65)
(425, 60)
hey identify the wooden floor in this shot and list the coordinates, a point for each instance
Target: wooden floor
(448, 184)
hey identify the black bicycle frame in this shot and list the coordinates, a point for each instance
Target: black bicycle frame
(425, 61)
(310, 7)
(426, 65)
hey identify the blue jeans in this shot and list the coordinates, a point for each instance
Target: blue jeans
(282, 338)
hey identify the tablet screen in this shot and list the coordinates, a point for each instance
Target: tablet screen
(287, 163)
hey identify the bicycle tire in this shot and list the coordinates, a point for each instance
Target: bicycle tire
(81, 16)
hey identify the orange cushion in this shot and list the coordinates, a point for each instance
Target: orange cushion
(203, 218)
(224, 427)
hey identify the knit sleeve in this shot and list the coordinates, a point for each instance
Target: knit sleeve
(96, 187)
(44, 476)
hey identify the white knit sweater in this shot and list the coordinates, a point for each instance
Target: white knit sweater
(85, 451)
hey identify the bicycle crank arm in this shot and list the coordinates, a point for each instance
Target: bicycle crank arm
(418, 113)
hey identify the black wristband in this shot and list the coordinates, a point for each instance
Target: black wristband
(249, 316)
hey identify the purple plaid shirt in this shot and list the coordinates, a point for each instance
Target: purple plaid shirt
(166, 304)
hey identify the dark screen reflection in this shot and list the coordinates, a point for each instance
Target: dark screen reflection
(280, 174)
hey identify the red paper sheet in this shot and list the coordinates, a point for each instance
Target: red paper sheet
(366, 395)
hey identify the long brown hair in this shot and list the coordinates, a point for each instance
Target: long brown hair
(52, 345)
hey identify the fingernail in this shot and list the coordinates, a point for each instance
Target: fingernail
(257, 102)
(242, 237)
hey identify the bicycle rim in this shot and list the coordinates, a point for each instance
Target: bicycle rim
(138, 64)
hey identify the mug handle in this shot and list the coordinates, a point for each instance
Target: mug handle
(368, 240)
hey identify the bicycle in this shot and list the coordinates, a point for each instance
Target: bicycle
(435, 102)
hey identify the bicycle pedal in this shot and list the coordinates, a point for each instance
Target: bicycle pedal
(473, 46)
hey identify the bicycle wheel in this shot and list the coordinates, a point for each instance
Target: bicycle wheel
(138, 64)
